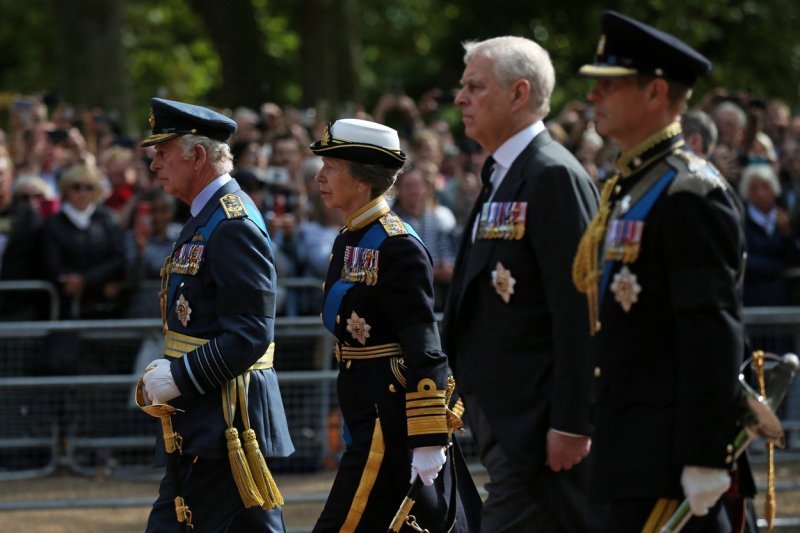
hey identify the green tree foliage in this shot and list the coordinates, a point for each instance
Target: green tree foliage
(754, 45)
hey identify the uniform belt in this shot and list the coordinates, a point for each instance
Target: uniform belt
(177, 345)
(350, 353)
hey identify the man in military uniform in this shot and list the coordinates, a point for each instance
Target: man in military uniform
(661, 265)
(218, 310)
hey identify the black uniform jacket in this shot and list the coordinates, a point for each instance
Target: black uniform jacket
(668, 358)
(527, 361)
(231, 298)
(396, 308)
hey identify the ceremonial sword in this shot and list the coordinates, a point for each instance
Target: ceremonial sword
(172, 444)
(760, 419)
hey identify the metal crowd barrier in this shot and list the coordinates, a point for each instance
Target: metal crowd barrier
(85, 424)
(34, 286)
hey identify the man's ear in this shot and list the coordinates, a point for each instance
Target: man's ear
(520, 94)
(200, 155)
(658, 88)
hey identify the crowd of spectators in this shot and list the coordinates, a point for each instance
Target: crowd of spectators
(80, 208)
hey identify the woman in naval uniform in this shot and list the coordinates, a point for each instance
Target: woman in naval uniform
(393, 377)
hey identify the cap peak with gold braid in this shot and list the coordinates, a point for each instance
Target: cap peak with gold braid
(628, 47)
(170, 119)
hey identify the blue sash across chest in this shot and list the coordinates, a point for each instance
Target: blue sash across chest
(207, 229)
(638, 211)
(373, 239)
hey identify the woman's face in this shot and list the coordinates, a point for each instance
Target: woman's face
(412, 191)
(338, 188)
(81, 193)
(759, 193)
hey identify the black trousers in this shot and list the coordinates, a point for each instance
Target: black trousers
(211, 494)
(522, 502)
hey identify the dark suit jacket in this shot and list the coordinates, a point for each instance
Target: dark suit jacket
(527, 362)
(232, 303)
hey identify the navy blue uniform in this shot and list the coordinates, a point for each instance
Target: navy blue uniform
(671, 335)
(222, 289)
(392, 374)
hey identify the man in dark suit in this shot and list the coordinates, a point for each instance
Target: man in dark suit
(661, 264)
(218, 310)
(514, 325)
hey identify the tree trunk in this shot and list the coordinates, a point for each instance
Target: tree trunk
(247, 76)
(89, 58)
(329, 55)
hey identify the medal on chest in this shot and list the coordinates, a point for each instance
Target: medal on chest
(503, 282)
(188, 258)
(623, 240)
(183, 310)
(503, 220)
(360, 265)
(626, 288)
(358, 328)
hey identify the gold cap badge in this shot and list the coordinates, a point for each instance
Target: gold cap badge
(326, 135)
(601, 45)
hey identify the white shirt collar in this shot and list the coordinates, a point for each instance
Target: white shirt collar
(205, 195)
(514, 145)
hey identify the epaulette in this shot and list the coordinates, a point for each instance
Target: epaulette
(233, 206)
(393, 225)
(695, 175)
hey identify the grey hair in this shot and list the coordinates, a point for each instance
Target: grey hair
(761, 171)
(517, 58)
(219, 153)
(379, 178)
(696, 121)
(741, 116)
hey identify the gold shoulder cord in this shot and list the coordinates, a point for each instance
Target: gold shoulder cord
(586, 265)
(162, 294)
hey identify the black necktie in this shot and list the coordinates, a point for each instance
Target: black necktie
(486, 191)
(486, 179)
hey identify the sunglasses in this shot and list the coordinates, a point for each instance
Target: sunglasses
(28, 196)
(81, 187)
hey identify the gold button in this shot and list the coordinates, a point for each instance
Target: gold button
(729, 449)
(391, 387)
(728, 459)
(597, 371)
(338, 319)
(323, 285)
(349, 362)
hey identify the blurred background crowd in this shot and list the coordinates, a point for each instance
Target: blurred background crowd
(80, 208)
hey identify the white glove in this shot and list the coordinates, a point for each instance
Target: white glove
(158, 382)
(426, 462)
(704, 486)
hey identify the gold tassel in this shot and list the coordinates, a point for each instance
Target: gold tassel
(241, 472)
(586, 265)
(261, 474)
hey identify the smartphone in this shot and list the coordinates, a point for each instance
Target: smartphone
(23, 108)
